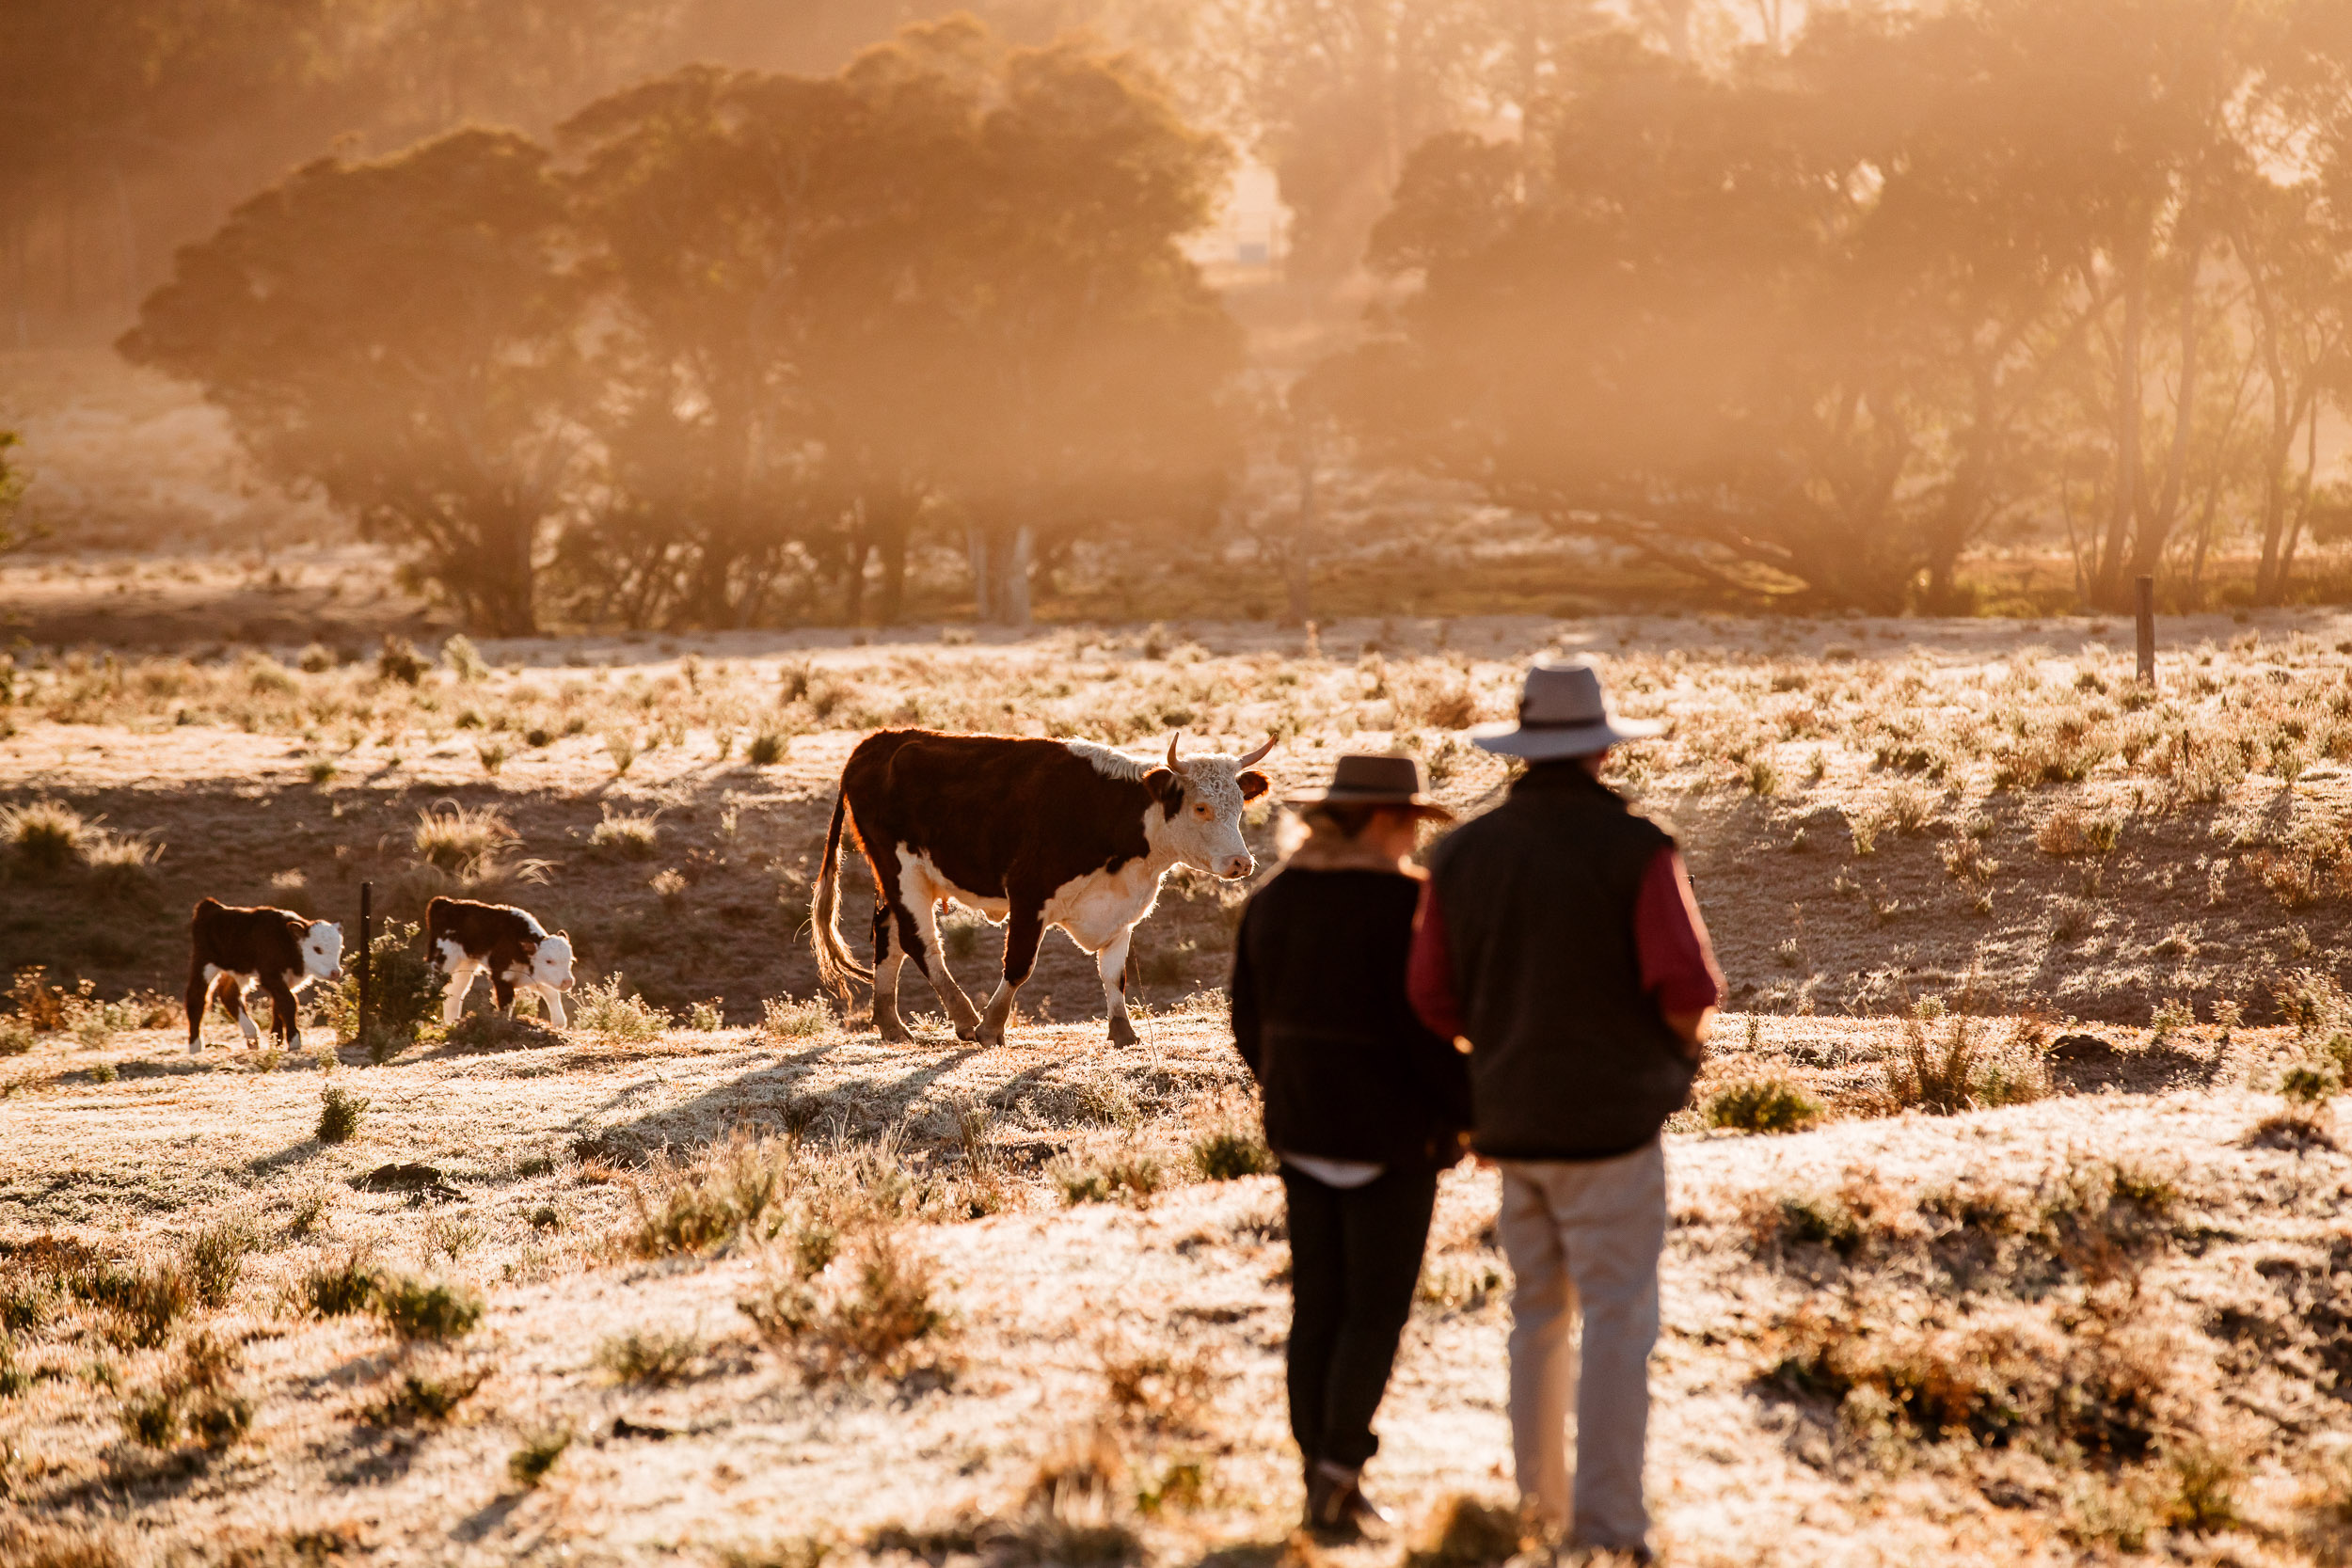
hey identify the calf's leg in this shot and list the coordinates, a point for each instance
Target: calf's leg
(282, 1010)
(1023, 933)
(198, 1001)
(461, 972)
(233, 999)
(553, 1001)
(1112, 963)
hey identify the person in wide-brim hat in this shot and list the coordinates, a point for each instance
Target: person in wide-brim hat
(1559, 939)
(1363, 1107)
(1562, 713)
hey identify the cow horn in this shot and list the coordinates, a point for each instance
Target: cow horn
(1253, 758)
(1174, 767)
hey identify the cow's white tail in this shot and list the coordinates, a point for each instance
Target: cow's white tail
(836, 968)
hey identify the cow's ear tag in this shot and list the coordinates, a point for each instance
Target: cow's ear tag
(1253, 784)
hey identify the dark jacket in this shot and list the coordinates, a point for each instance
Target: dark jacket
(1320, 1015)
(1571, 1059)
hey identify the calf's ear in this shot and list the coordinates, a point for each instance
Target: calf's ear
(1165, 783)
(1253, 784)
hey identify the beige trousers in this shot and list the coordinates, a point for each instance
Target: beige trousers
(1583, 1239)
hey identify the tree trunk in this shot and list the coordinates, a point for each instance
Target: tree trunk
(2124, 504)
(891, 531)
(1013, 593)
(976, 545)
(1300, 559)
(2154, 525)
(853, 585)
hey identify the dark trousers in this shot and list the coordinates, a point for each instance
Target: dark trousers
(1355, 1259)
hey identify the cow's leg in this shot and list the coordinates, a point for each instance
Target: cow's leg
(502, 994)
(888, 957)
(282, 1010)
(932, 957)
(1023, 933)
(233, 999)
(1112, 962)
(461, 972)
(198, 1001)
(553, 1001)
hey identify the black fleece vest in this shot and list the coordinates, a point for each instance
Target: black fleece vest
(1571, 1059)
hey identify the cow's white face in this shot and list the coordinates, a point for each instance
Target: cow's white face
(322, 950)
(551, 963)
(1204, 830)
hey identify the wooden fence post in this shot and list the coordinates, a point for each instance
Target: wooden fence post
(2144, 594)
(367, 944)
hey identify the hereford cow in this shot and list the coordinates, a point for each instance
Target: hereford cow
(277, 948)
(466, 937)
(1043, 833)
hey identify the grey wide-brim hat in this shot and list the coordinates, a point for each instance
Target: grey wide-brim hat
(1363, 779)
(1562, 713)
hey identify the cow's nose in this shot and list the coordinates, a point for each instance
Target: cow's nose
(338, 974)
(1236, 867)
(566, 984)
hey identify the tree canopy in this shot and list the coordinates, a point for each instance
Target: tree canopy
(737, 332)
(1826, 320)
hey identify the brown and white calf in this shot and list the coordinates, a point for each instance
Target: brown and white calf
(1033, 832)
(466, 939)
(277, 948)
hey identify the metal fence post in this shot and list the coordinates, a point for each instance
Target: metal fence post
(2144, 594)
(367, 946)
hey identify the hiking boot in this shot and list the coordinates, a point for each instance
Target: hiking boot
(1338, 1510)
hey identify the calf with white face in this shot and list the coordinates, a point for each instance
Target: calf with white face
(467, 939)
(1036, 833)
(276, 950)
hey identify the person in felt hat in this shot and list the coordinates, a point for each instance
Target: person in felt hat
(1363, 1106)
(1559, 937)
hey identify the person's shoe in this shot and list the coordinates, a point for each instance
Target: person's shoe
(1338, 1510)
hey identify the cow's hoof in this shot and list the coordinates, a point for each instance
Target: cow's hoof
(988, 1036)
(967, 1030)
(896, 1035)
(1124, 1033)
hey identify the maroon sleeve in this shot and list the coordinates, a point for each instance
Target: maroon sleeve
(1678, 962)
(1430, 974)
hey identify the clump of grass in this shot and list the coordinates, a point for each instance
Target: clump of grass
(1957, 1072)
(631, 835)
(1763, 1105)
(144, 1303)
(887, 1320)
(2066, 831)
(339, 1289)
(528, 1464)
(460, 839)
(1131, 1172)
(650, 1360)
(1229, 1153)
(195, 1397)
(767, 749)
(340, 1112)
(783, 1019)
(45, 836)
(16, 1036)
(464, 659)
(213, 1259)
(397, 660)
(611, 1012)
(418, 1398)
(1160, 1390)
(416, 1309)
(703, 1208)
